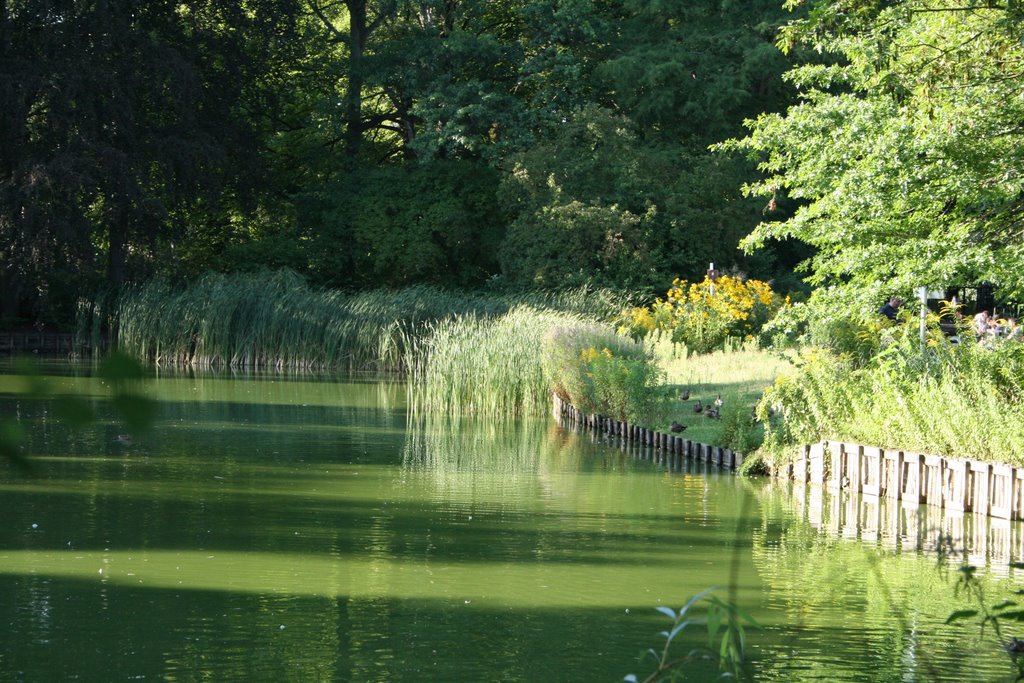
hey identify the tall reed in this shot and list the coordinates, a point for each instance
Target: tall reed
(471, 365)
(273, 319)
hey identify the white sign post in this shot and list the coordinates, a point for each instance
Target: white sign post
(922, 294)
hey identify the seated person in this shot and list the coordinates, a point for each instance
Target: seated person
(891, 307)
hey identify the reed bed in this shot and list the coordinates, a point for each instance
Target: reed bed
(471, 365)
(276, 320)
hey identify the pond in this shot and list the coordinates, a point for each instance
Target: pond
(276, 528)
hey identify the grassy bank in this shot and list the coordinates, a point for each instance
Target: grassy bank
(738, 376)
(960, 401)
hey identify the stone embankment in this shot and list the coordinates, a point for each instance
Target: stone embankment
(956, 484)
(670, 446)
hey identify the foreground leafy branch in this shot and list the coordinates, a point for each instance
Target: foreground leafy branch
(726, 643)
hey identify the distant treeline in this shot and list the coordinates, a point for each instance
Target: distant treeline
(371, 143)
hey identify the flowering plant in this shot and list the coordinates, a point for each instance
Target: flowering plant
(703, 314)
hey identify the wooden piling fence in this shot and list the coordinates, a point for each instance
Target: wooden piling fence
(667, 449)
(43, 343)
(955, 484)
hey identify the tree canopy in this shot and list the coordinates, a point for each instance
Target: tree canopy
(903, 156)
(375, 142)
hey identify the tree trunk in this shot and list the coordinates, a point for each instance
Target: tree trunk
(354, 92)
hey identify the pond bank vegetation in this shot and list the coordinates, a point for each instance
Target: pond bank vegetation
(875, 383)
(275, 319)
(502, 355)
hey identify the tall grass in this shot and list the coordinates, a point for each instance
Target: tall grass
(471, 365)
(957, 401)
(276, 320)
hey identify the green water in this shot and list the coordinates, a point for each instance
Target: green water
(278, 529)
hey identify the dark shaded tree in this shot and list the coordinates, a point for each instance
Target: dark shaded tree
(124, 124)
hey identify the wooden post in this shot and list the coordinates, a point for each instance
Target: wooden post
(912, 479)
(837, 463)
(934, 480)
(800, 464)
(816, 463)
(980, 486)
(1001, 494)
(852, 454)
(1017, 499)
(955, 488)
(871, 472)
(892, 474)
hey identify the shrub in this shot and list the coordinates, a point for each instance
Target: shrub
(703, 315)
(956, 400)
(739, 432)
(601, 372)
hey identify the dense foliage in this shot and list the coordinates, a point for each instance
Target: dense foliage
(904, 156)
(601, 372)
(366, 143)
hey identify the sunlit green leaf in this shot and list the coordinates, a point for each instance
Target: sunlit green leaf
(667, 611)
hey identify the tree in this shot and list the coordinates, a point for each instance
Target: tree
(123, 126)
(905, 155)
(622, 187)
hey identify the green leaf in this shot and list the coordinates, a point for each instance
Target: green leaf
(138, 412)
(12, 438)
(747, 617)
(715, 615)
(119, 368)
(683, 624)
(667, 611)
(694, 600)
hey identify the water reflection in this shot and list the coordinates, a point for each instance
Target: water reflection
(867, 586)
(305, 530)
(979, 540)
